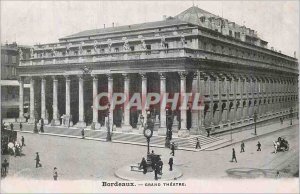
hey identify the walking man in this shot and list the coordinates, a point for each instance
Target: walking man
(55, 175)
(258, 146)
(242, 147)
(37, 161)
(4, 167)
(156, 171)
(171, 164)
(11, 126)
(233, 155)
(173, 149)
(23, 141)
(21, 126)
(198, 144)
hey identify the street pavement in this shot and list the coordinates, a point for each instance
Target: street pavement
(95, 160)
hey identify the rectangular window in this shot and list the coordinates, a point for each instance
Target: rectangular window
(6, 58)
(102, 50)
(88, 52)
(14, 59)
(132, 48)
(148, 47)
(116, 50)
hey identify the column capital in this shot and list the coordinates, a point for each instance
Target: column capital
(143, 75)
(80, 76)
(21, 79)
(94, 76)
(196, 74)
(54, 77)
(125, 76)
(109, 76)
(162, 75)
(182, 74)
(67, 77)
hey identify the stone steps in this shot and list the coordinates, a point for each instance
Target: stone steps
(132, 138)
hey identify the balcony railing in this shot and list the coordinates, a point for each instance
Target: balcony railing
(154, 54)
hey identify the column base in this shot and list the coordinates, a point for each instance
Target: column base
(21, 120)
(31, 121)
(126, 128)
(80, 124)
(195, 131)
(183, 133)
(162, 131)
(55, 122)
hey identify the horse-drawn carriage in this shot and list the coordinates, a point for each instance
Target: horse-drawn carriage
(281, 145)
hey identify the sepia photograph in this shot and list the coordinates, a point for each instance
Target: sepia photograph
(149, 96)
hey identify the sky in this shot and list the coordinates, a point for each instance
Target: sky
(32, 22)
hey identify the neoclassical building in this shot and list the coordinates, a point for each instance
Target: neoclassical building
(228, 64)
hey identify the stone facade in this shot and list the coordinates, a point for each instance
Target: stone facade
(235, 75)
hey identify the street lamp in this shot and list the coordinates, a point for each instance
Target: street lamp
(255, 119)
(291, 115)
(108, 136)
(148, 131)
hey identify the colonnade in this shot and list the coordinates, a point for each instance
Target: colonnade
(226, 98)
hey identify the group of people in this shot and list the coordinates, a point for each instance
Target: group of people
(156, 165)
(243, 150)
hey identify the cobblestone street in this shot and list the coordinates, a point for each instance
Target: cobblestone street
(95, 160)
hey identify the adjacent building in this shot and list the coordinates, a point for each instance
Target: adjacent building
(195, 51)
(9, 80)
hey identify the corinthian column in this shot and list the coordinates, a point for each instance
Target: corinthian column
(43, 100)
(110, 94)
(163, 119)
(81, 123)
(21, 100)
(55, 120)
(32, 101)
(95, 102)
(144, 95)
(127, 127)
(195, 113)
(183, 132)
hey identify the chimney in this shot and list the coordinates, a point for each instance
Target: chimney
(164, 17)
(113, 24)
(103, 25)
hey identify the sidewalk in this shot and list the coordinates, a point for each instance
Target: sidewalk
(247, 135)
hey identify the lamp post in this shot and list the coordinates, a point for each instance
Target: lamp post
(108, 136)
(255, 119)
(291, 115)
(148, 130)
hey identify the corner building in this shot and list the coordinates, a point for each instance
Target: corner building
(195, 51)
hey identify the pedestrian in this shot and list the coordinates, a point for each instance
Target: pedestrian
(160, 166)
(23, 141)
(143, 165)
(21, 126)
(42, 126)
(208, 132)
(277, 174)
(281, 120)
(233, 155)
(11, 126)
(37, 161)
(173, 149)
(258, 146)
(242, 147)
(82, 133)
(198, 144)
(4, 167)
(156, 171)
(55, 174)
(171, 164)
